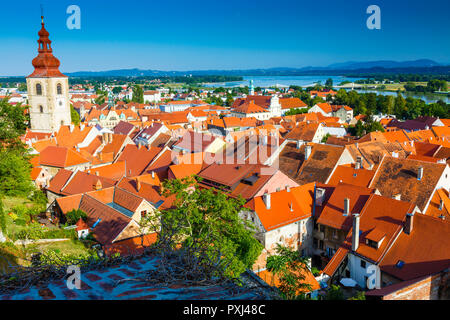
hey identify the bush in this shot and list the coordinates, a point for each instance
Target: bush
(75, 215)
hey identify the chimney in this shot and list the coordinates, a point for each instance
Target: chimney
(319, 196)
(98, 185)
(420, 173)
(307, 152)
(71, 127)
(97, 173)
(138, 184)
(110, 135)
(409, 223)
(291, 207)
(265, 139)
(288, 189)
(355, 232)
(266, 199)
(441, 204)
(346, 206)
(357, 165)
(298, 144)
(397, 196)
(153, 174)
(359, 162)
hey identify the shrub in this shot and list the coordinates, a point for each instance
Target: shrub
(75, 215)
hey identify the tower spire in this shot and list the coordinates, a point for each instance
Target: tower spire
(45, 64)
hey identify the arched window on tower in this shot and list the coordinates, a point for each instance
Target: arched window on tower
(59, 88)
(38, 89)
(41, 109)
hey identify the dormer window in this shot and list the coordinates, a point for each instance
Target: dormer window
(375, 238)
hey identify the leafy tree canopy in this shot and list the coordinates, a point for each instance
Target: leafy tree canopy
(209, 218)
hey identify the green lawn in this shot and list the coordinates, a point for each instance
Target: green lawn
(9, 253)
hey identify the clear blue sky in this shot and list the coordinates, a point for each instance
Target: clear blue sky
(222, 34)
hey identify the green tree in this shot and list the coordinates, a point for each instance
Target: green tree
(117, 90)
(335, 293)
(22, 87)
(74, 215)
(290, 268)
(74, 115)
(329, 83)
(209, 218)
(399, 105)
(138, 94)
(360, 295)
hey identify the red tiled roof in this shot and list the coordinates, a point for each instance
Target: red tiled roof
(335, 261)
(137, 159)
(424, 252)
(350, 175)
(61, 157)
(286, 207)
(332, 213)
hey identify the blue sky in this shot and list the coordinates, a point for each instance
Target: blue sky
(219, 34)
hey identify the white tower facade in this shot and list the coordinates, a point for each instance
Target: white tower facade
(48, 89)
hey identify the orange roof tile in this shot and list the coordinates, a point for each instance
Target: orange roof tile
(333, 212)
(350, 175)
(424, 251)
(286, 207)
(61, 157)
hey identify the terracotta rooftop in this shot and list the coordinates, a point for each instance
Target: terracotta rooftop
(77, 182)
(286, 208)
(194, 142)
(70, 139)
(400, 176)
(423, 252)
(435, 209)
(333, 212)
(303, 132)
(385, 215)
(61, 157)
(137, 159)
(236, 179)
(317, 168)
(349, 175)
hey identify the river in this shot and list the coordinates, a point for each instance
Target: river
(306, 81)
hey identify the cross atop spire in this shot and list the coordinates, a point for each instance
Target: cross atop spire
(42, 13)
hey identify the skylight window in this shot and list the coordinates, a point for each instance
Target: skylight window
(400, 264)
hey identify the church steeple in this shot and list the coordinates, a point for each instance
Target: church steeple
(48, 89)
(45, 64)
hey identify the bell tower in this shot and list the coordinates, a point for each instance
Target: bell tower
(48, 89)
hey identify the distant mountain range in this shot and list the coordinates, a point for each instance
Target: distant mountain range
(351, 67)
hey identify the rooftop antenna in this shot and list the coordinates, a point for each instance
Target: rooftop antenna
(42, 13)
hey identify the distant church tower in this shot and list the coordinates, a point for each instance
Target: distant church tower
(251, 90)
(48, 89)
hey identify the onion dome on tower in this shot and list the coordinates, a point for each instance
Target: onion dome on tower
(45, 64)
